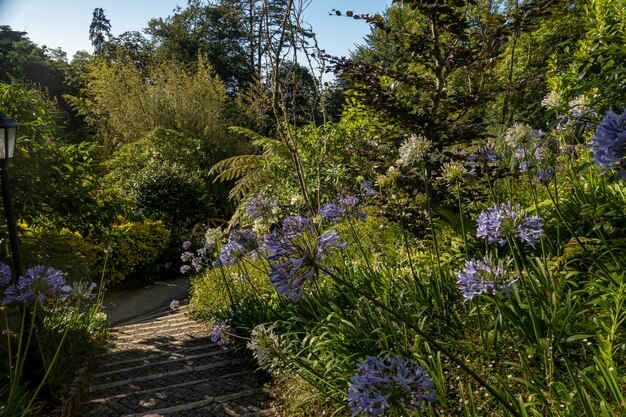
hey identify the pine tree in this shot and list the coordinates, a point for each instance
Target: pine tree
(100, 26)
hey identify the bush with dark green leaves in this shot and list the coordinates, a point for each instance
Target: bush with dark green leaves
(178, 197)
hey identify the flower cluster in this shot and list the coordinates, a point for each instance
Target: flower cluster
(81, 291)
(345, 206)
(581, 107)
(545, 176)
(482, 277)
(266, 345)
(295, 252)
(609, 142)
(484, 155)
(554, 100)
(38, 284)
(262, 207)
(5, 274)
(503, 222)
(241, 242)
(413, 150)
(521, 135)
(200, 257)
(367, 189)
(454, 172)
(220, 333)
(381, 383)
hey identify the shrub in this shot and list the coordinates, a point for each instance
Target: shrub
(62, 249)
(135, 245)
(177, 197)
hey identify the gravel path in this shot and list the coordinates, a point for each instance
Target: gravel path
(165, 364)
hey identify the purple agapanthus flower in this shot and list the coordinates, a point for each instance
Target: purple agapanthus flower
(520, 153)
(295, 252)
(367, 189)
(540, 153)
(345, 206)
(545, 176)
(569, 149)
(331, 211)
(241, 242)
(5, 274)
(609, 142)
(38, 284)
(379, 384)
(220, 333)
(484, 154)
(530, 230)
(79, 290)
(186, 244)
(524, 166)
(482, 277)
(262, 206)
(503, 222)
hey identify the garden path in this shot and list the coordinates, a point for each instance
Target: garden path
(166, 365)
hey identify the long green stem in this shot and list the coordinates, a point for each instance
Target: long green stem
(458, 195)
(517, 256)
(508, 405)
(227, 286)
(45, 377)
(21, 352)
(12, 376)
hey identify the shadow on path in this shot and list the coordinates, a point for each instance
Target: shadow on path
(168, 366)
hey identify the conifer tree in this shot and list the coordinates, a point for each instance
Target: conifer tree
(100, 26)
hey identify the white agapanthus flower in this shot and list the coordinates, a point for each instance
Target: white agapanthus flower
(414, 149)
(554, 100)
(266, 346)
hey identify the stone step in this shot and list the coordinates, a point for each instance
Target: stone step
(153, 331)
(155, 322)
(226, 405)
(166, 379)
(147, 358)
(120, 352)
(162, 367)
(151, 316)
(227, 387)
(171, 332)
(240, 374)
(167, 365)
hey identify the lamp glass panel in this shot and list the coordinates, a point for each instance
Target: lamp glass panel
(12, 132)
(2, 143)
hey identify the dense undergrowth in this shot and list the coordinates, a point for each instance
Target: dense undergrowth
(513, 305)
(441, 232)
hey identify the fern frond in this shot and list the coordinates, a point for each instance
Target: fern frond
(237, 162)
(248, 184)
(250, 134)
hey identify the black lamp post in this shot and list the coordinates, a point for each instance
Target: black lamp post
(8, 134)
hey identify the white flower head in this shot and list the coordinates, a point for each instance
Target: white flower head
(266, 346)
(297, 200)
(212, 237)
(519, 135)
(414, 149)
(579, 105)
(554, 100)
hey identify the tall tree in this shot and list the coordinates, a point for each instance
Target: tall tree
(214, 30)
(100, 26)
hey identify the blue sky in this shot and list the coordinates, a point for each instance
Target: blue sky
(65, 23)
